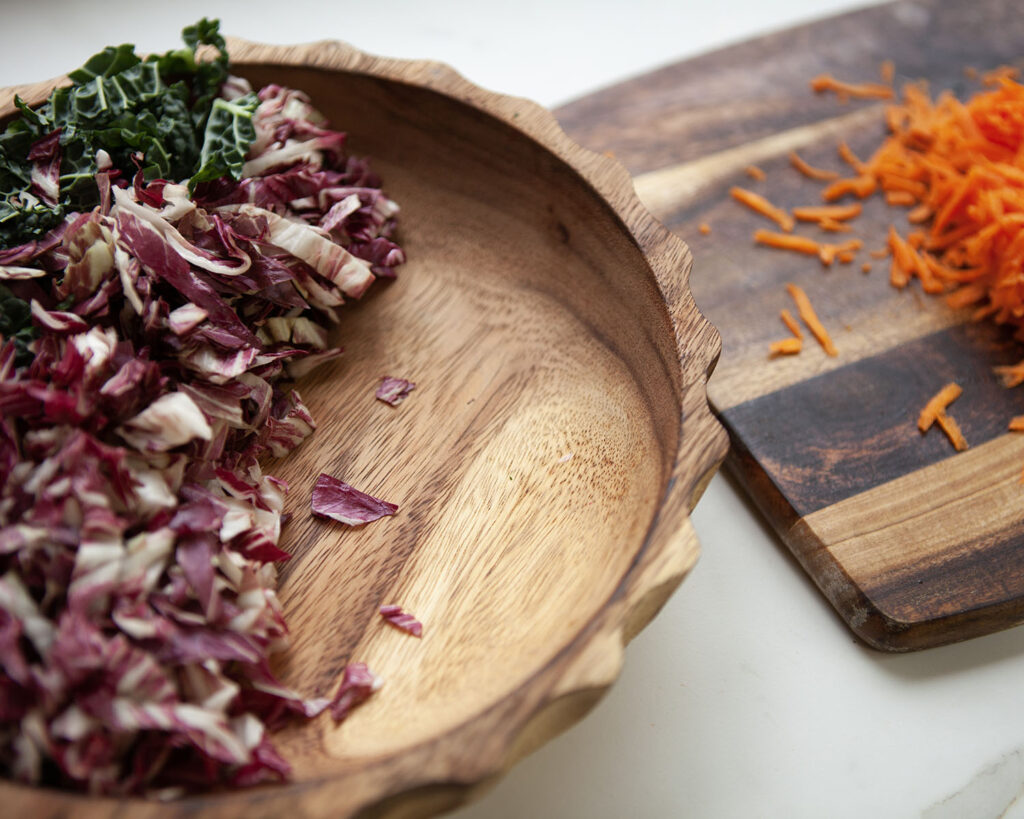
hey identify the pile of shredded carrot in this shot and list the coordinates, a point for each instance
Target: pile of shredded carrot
(959, 169)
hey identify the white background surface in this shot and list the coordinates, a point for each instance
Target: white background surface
(747, 696)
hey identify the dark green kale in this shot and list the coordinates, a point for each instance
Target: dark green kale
(164, 109)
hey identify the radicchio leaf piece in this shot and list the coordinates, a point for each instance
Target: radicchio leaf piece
(393, 390)
(357, 684)
(337, 500)
(402, 620)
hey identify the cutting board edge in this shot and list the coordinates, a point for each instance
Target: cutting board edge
(870, 621)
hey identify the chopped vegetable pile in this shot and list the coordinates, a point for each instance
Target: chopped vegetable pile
(959, 168)
(172, 245)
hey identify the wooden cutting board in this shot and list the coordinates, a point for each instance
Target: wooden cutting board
(913, 544)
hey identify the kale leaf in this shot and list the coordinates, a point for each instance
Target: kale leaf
(16, 325)
(163, 108)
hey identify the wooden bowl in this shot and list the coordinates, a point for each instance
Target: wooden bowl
(544, 467)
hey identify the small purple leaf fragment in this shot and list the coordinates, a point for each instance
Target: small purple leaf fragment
(393, 390)
(357, 684)
(402, 620)
(337, 500)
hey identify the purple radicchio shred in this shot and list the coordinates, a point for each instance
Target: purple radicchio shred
(393, 390)
(357, 684)
(337, 500)
(402, 620)
(139, 536)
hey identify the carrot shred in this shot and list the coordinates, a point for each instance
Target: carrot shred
(998, 75)
(759, 204)
(899, 198)
(755, 172)
(832, 226)
(818, 213)
(866, 267)
(936, 404)
(1012, 375)
(809, 170)
(785, 346)
(785, 241)
(704, 228)
(1016, 424)
(860, 186)
(922, 213)
(867, 90)
(846, 256)
(952, 430)
(810, 318)
(791, 323)
(851, 159)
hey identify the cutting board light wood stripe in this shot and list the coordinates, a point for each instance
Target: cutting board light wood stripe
(914, 545)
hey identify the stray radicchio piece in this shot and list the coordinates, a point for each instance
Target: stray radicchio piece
(357, 684)
(393, 390)
(402, 620)
(149, 337)
(337, 500)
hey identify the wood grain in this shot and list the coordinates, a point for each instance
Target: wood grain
(815, 437)
(544, 468)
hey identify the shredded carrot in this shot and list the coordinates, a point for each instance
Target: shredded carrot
(785, 241)
(936, 404)
(922, 213)
(959, 166)
(810, 318)
(809, 170)
(704, 228)
(818, 213)
(952, 430)
(832, 226)
(755, 172)
(785, 346)
(1011, 376)
(851, 159)
(759, 204)
(996, 76)
(899, 198)
(867, 90)
(860, 186)
(790, 322)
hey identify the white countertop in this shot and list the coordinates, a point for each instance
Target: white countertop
(747, 696)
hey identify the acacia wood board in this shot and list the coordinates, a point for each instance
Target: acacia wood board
(914, 545)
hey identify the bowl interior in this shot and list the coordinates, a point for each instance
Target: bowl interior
(529, 461)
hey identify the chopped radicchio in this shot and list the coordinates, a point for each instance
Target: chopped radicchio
(393, 390)
(337, 500)
(402, 620)
(145, 343)
(357, 684)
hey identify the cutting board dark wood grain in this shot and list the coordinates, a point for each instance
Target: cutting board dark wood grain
(913, 544)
